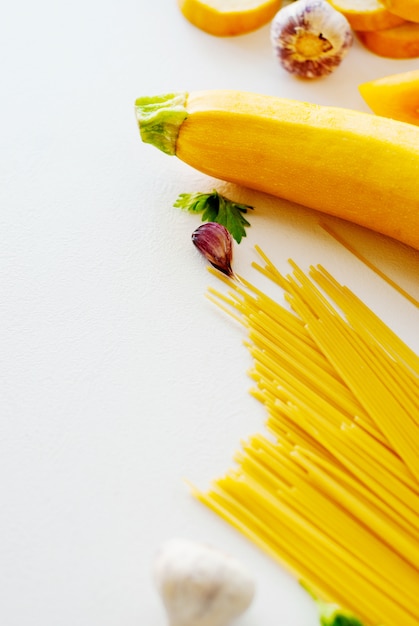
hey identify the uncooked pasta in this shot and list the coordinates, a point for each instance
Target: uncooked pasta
(331, 489)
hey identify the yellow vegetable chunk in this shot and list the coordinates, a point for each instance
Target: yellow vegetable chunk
(356, 166)
(366, 14)
(395, 96)
(225, 18)
(399, 42)
(407, 9)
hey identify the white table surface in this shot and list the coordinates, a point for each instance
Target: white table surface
(119, 378)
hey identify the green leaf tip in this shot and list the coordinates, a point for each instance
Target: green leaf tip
(217, 208)
(159, 119)
(331, 614)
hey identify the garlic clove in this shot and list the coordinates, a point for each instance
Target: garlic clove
(200, 585)
(215, 242)
(310, 38)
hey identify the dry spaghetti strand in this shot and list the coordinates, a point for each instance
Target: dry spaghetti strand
(332, 232)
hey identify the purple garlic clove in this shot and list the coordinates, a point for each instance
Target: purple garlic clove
(215, 243)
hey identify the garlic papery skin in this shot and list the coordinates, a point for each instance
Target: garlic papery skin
(310, 38)
(200, 585)
(214, 241)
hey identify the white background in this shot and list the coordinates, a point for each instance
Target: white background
(118, 378)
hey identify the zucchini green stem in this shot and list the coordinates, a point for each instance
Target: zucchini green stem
(160, 118)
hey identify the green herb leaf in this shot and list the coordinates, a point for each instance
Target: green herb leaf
(217, 208)
(334, 616)
(331, 614)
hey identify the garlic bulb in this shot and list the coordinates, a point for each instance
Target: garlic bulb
(310, 38)
(201, 586)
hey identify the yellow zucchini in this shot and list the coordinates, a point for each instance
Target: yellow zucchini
(357, 166)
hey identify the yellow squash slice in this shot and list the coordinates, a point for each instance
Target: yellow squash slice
(407, 9)
(399, 42)
(366, 14)
(225, 18)
(395, 96)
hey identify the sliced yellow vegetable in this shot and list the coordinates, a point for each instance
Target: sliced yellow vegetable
(225, 18)
(395, 96)
(407, 9)
(357, 166)
(399, 42)
(366, 14)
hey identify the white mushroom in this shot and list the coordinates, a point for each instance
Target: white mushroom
(200, 585)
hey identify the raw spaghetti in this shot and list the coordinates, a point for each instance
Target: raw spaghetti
(332, 489)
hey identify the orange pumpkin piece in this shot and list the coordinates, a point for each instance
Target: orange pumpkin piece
(366, 14)
(395, 96)
(225, 18)
(399, 42)
(407, 9)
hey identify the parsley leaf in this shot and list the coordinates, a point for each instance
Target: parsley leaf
(340, 618)
(217, 208)
(330, 614)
